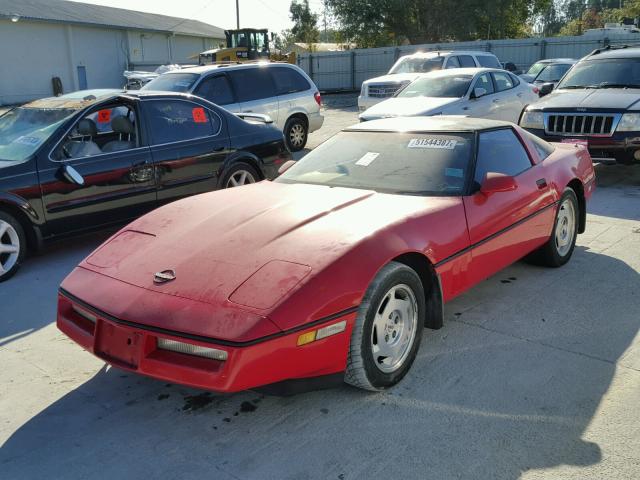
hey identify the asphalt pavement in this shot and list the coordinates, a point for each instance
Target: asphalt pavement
(535, 375)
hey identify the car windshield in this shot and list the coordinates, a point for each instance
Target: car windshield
(448, 86)
(553, 73)
(536, 68)
(604, 73)
(417, 65)
(23, 130)
(401, 163)
(172, 82)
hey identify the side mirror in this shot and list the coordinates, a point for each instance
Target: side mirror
(71, 175)
(498, 182)
(479, 92)
(286, 166)
(546, 89)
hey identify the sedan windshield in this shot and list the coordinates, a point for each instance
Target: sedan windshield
(536, 68)
(402, 163)
(448, 86)
(172, 82)
(553, 73)
(23, 130)
(609, 72)
(417, 65)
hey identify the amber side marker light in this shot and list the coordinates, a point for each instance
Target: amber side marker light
(321, 333)
(190, 349)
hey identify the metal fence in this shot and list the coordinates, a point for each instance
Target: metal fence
(345, 71)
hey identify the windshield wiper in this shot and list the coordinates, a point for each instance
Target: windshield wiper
(571, 87)
(617, 85)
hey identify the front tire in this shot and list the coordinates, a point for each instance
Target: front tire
(559, 248)
(296, 133)
(13, 246)
(388, 329)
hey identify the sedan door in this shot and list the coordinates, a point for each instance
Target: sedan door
(189, 144)
(504, 226)
(117, 175)
(507, 100)
(256, 92)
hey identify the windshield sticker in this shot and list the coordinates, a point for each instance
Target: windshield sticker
(24, 140)
(198, 115)
(367, 158)
(441, 143)
(454, 172)
(104, 116)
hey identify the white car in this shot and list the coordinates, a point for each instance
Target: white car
(472, 92)
(409, 67)
(280, 90)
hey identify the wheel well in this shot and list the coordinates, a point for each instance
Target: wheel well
(431, 284)
(576, 186)
(27, 226)
(302, 117)
(250, 161)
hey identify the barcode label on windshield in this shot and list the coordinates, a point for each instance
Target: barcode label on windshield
(432, 143)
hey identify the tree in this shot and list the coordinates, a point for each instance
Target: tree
(305, 22)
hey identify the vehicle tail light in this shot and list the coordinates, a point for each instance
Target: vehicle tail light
(536, 90)
(318, 98)
(190, 349)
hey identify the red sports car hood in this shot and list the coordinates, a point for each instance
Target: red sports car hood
(270, 236)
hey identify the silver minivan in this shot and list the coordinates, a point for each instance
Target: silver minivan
(282, 91)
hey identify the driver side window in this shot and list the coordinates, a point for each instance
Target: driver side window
(500, 151)
(105, 130)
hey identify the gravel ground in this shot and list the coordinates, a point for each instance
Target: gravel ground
(535, 375)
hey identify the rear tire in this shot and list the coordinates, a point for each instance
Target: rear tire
(239, 174)
(388, 329)
(559, 248)
(13, 246)
(296, 133)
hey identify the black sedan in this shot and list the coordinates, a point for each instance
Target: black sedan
(95, 158)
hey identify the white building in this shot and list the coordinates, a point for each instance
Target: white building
(88, 46)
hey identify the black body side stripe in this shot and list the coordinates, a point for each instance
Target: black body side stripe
(201, 338)
(494, 235)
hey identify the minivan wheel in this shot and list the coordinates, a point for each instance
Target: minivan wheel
(239, 174)
(295, 134)
(13, 246)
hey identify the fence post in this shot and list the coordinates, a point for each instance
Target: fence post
(353, 70)
(311, 67)
(543, 49)
(396, 54)
(606, 41)
(488, 46)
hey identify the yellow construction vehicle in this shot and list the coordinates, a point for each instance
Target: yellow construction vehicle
(246, 44)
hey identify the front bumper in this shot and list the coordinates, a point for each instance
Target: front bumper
(620, 146)
(134, 347)
(366, 102)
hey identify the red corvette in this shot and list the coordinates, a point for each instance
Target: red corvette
(333, 268)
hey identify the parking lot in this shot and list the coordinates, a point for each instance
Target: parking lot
(536, 374)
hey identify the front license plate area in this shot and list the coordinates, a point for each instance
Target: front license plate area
(118, 345)
(577, 141)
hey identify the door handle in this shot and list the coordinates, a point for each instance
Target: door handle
(541, 183)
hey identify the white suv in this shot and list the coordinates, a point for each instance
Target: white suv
(409, 67)
(280, 90)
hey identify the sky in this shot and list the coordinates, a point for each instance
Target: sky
(271, 14)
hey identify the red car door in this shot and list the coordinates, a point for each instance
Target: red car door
(505, 226)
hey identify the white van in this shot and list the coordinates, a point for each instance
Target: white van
(282, 91)
(409, 67)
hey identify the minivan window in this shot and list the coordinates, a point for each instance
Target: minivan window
(466, 61)
(252, 84)
(172, 82)
(500, 151)
(453, 62)
(287, 80)
(417, 65)
(488, 61)
(176, 120)
(215, 89)
(607, 72)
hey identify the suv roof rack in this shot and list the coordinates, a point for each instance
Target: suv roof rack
(608, 47)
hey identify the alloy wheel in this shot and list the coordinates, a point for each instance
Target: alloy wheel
(241, 177)
(565, 227)
(296, 135)
(9, 247)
